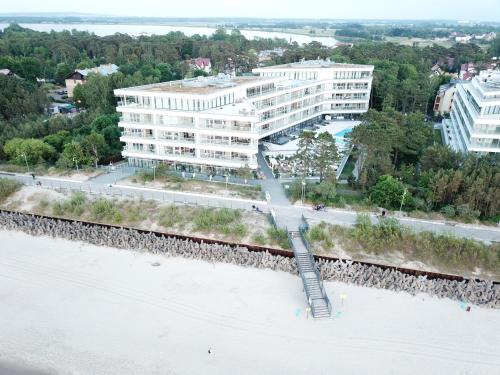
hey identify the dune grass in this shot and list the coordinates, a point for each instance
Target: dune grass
(442, 251)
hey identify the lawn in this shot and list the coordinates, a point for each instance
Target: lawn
(170, 181)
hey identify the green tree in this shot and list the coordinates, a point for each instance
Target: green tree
(62, 71)
(244, 172)
(495, 47)
(389, 193)
(325, 191)
(19, 98)
(58, 140)
(33, 151)
(305, 152)
(326, 155)
(73, 154)
(95, 146)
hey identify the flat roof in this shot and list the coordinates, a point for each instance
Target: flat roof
(200, 85)
(316, 64)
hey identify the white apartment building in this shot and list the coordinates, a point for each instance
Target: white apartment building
(216, 123)
(474, 124)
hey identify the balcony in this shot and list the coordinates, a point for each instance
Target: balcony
(180, 139)
(238, 128)
(137, 135)
(141, 121)
(179, 154)
(226, 144)
(139, 151)
(229, 159)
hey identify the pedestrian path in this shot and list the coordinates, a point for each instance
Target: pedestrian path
(313, 284)
(295, 226)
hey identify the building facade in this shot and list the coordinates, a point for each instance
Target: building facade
(474, 124)
(444, 98)
(216, 123)
(78, 76)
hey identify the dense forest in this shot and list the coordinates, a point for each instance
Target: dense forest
(423, 30)
(398, 152)
(395, 139)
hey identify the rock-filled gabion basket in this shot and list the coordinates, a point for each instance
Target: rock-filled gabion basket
(484, 293)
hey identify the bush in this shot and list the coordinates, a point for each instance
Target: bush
(103, 209)
(319, 233)
(144, 176)
(8, 187)
(446, 252)
(388, 228)
(363, 222)
(31, 150)
(58, 209)
(449, 211)
(279, 237)
(325, 191)
(259, 239)
(388, 192)
(209, 218)
(239, 230)
(466, 213)
(135, 214)
(76, 204)
(169, 216)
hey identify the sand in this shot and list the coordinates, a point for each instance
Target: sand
(73, 308)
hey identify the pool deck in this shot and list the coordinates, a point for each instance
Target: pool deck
(334, 128)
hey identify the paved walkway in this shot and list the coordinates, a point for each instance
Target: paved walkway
(278, 200)
(103, 185)
(288, 215)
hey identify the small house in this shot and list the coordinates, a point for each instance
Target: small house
(78, 76)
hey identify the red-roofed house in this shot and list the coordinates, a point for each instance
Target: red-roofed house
(201, 63)
(467, 71)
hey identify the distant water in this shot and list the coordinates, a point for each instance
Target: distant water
(134, 30)
(7, 368)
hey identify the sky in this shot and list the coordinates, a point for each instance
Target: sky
(478, 10)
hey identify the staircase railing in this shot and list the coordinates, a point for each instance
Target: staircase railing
(303, 228)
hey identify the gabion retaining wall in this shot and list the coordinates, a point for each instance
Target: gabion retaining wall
(485, 293)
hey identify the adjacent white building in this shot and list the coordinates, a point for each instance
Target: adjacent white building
(216, 123)
(474, 124)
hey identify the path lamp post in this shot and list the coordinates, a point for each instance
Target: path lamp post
(303, 190)
(76, 162)
(26, 160)
(402, 200)
(154, 173)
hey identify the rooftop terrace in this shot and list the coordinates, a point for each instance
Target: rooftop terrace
(199, 85)
(311, 64)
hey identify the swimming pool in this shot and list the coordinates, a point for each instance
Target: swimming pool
(342, 134)
(340, 137)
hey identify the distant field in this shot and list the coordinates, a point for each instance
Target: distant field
(421, 41)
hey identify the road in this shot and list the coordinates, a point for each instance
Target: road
(289, 215)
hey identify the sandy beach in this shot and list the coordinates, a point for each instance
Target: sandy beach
(73, 308)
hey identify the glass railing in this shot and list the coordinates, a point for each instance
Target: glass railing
(129, 120)
(183, 140)
(135, 135)
(139, 151)
(241, 159)
(226, 127)
(215, 143)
